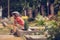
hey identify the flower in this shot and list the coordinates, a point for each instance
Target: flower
(24, 17)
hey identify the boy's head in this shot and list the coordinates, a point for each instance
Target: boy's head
(15, 13)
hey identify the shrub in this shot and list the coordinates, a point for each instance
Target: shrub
(26, 25)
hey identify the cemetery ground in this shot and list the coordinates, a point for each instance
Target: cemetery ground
(41, 23)
(5, 34)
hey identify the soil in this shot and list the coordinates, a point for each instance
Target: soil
(10, 37)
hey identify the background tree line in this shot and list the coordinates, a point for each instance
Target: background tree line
(19, 5)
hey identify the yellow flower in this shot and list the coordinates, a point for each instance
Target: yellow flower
(24, 17)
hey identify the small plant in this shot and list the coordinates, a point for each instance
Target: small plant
(41, 22)
(26, 25)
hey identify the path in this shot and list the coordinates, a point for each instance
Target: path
(9, 37)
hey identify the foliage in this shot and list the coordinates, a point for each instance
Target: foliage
(58, 13)
(53, 32)
(19, 5)
(26, 25)
(39, 17)
(41, 22)
(51, 23)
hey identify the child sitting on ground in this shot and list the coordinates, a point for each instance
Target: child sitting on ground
(17, 20)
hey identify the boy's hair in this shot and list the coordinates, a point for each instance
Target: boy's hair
(16, 12)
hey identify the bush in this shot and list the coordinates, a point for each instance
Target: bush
(41, 22)
(26, 25)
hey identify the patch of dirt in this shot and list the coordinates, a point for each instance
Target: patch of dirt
(10, 37)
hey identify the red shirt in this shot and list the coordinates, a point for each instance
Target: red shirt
(19, 20)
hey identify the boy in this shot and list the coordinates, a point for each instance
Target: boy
(17, 20)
